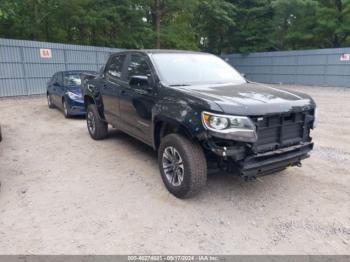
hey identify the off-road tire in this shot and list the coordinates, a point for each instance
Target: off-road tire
(100, 130)
(194, 162)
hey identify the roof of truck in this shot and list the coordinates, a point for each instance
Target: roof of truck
(160, 51)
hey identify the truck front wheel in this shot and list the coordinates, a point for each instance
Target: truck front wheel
(98, 128)
(182, 165)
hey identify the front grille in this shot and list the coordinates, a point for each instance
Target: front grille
(278, 131)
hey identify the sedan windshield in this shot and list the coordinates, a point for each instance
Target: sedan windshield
(181, 69)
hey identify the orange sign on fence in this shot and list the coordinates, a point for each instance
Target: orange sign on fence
(45, 53)
(345, 57)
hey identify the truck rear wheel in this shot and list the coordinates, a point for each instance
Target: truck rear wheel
(182, 165)
(98, 129)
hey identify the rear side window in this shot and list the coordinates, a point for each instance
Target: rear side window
(54, 78)
(138, 66)
(115, 67)
(59, 78)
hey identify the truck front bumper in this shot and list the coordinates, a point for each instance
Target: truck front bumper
(274, 161)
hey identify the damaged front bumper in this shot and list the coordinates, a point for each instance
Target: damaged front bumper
(274, 161)
(240, 160)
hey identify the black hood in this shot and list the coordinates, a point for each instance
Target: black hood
(250, 98)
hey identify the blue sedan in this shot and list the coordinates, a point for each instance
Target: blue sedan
(64, 92)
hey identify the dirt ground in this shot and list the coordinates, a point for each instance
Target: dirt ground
(64, 193)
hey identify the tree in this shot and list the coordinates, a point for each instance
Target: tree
(217, 26)
(171, 20)
(287, 14)
(333, 22)
(254, 28)
(213, 19)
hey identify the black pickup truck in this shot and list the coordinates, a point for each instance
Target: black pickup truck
(195, 109)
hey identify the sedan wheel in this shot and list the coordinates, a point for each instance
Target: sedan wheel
(65, 109)
(49, 101)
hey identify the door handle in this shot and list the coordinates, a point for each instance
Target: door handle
(123, 92)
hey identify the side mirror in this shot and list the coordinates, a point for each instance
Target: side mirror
(56, 84)
(139, 82)
(243, 75)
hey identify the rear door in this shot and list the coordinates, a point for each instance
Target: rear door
(112, 80)
(61, 89)
(50, 86)
(136, 103)
(57, 89)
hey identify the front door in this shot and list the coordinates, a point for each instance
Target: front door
(136, 103)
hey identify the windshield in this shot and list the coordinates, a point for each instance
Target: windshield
(72, 80)
(190, 69)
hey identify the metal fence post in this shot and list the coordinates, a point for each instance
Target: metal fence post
(96, 60)
(65, 59)
(24, 70)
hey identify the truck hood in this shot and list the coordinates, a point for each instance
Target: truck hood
(250, 98)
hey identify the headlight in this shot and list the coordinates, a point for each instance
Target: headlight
(218, 122)
(238, 128)
(74, 96)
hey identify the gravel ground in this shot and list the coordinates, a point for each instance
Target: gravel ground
(63, 193)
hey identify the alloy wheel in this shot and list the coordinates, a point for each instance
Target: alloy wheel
(173, 166)
(65, 109)
(49, 102)
(91, 123)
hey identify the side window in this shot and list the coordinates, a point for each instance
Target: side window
(138, 66)
(54, 78)
(115, 67)
(59, 78)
